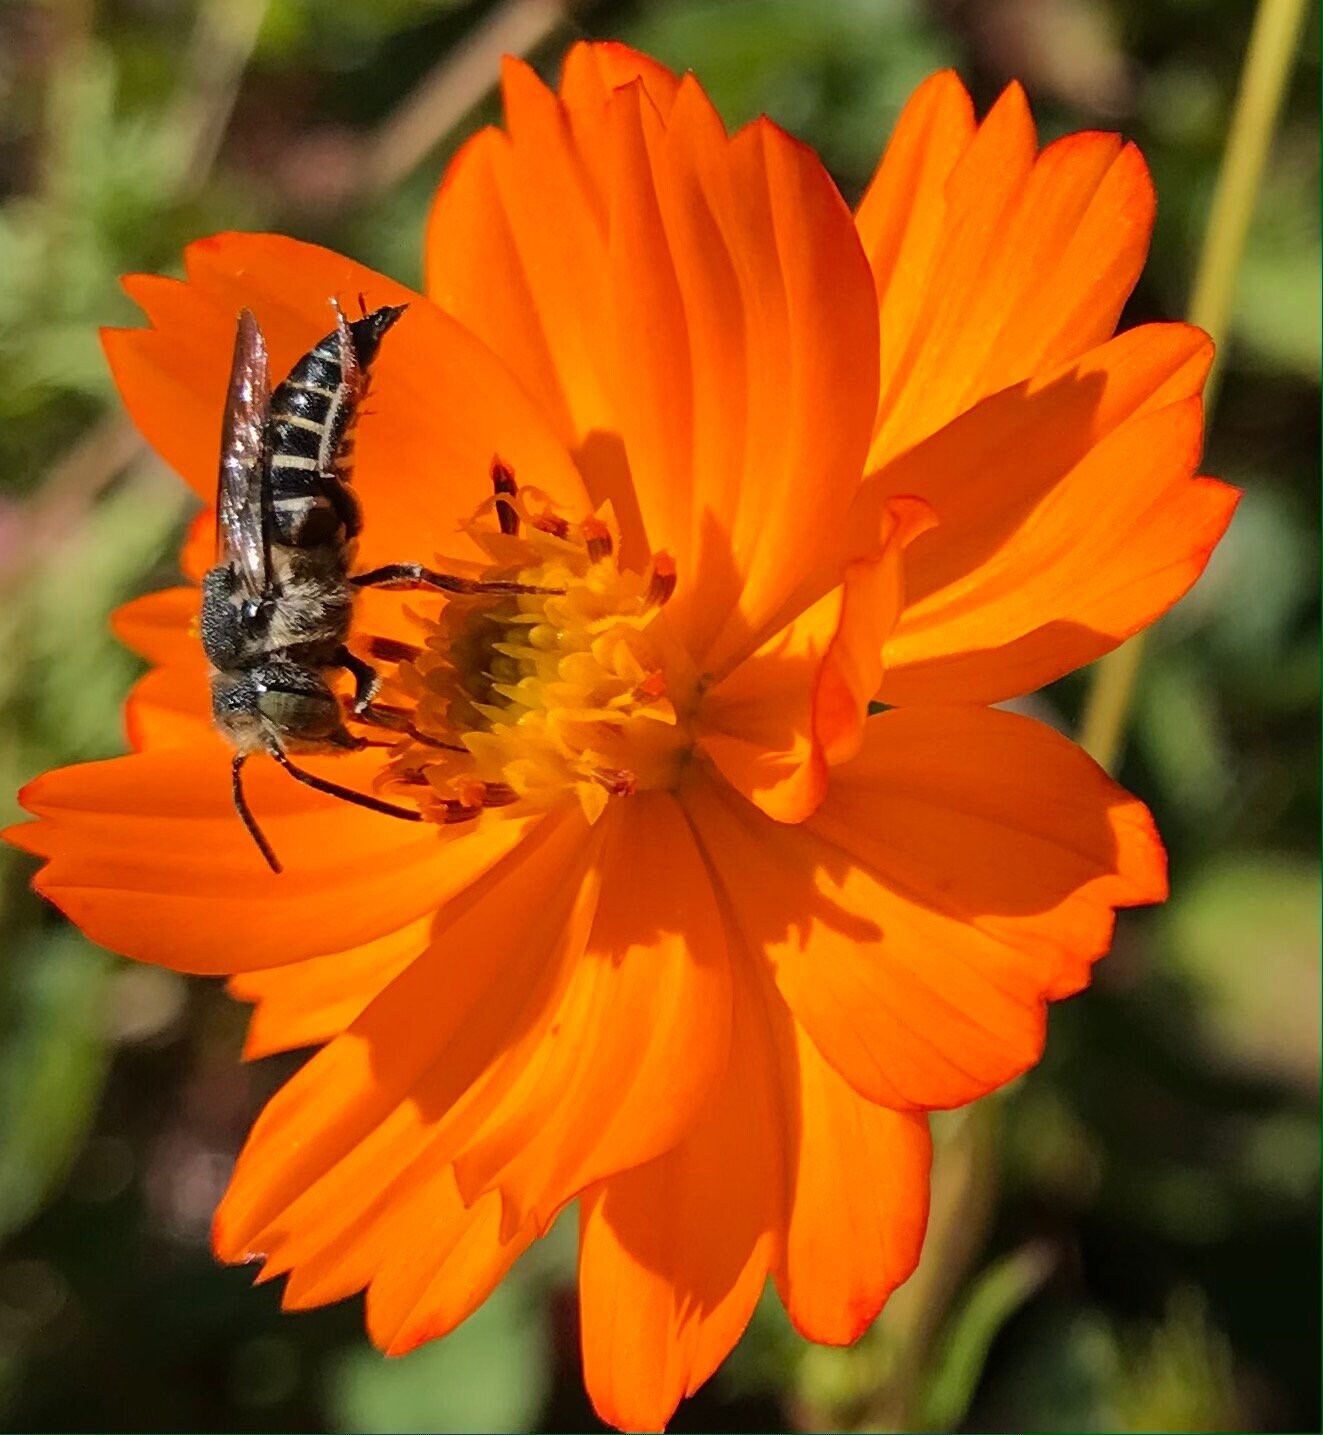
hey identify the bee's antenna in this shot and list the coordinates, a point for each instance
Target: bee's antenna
(249, 821)
(347, 794)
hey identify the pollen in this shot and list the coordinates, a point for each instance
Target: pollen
(521, 701)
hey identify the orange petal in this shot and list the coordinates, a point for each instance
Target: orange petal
(788, 1168)
(745, 453)
(634, 1040)
(473, 229)
(537, 293)
(170, 707)
(411, 1301)
(388, 1217)
(441, 405)
(504, 983)
(146, 854)
(739, 382)
(902, 216)
(993, 262)
(408, 1079)
(1067, 520)
(798, 704)
(673, 1255)
(859, 1198)
(341, 1232)
(593, 71)
(199, 550)
(1127, 571)
(307, 1003)
(961, 871)
(534, 292)
(160, 626)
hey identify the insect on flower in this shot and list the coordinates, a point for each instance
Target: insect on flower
(277, 607)
(691, 934)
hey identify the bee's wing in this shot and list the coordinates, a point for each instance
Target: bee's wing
(241, 540)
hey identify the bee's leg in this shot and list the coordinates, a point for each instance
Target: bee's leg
(414, 575)
(397, 720)
(367, 681)
(345, 504)
(346, 794)
(245, 812)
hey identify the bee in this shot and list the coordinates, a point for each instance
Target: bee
(278, 604)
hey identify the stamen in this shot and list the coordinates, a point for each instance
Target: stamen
(392, 650)
(453, 812)
(566, 683)
(499, 794)
(551, 523)
(618, 781)
(596, 539)
(503, 482)
(652, 689)
(661, 583)
(469, 791)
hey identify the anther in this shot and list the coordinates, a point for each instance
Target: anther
(392, 650)
(453, 812)
(503, 481)
(468, 791)
(618, 781)
(498, 794)
(662, 582)
(652, 689)
(551, 523)
(596, 539)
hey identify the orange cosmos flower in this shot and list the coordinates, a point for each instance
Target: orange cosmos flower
(729, 938)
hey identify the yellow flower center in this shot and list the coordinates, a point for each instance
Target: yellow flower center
(519, 699)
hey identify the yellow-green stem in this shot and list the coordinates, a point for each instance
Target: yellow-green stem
(1258, 103)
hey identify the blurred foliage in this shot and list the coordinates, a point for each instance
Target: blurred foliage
(1128, 1238)
(491, 1374)
(52, 1065)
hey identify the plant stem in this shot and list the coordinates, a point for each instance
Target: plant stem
(1268, 60)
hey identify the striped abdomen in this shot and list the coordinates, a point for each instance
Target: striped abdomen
(310, 433)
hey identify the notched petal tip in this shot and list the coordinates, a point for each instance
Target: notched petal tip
(24, 835)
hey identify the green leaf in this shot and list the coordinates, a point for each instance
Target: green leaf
(993, 1298)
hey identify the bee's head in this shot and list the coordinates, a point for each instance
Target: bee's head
(367, 332)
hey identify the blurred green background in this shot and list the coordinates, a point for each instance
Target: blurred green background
(1126, 1240)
